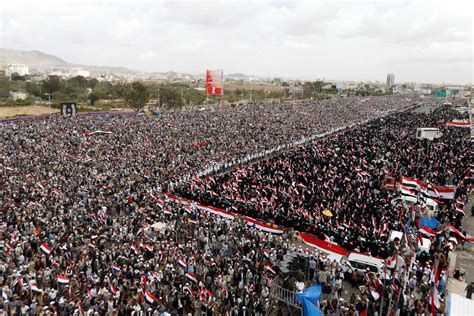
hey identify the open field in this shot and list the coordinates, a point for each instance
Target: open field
(25, 110)
(6, 112)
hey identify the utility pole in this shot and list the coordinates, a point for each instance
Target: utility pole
(158, 96)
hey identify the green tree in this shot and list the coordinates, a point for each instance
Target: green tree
(92, 83)
(171, 96)
(33, 89)
(137, 95)
(118, 90)
(93, 97)
(51, 85)
(16, 77)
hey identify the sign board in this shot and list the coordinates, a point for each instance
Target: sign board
(214, 82)
(68, 109)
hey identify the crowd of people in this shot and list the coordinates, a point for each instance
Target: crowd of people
(344, 174)
(80, 200)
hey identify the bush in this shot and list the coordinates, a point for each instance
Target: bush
(11, 102)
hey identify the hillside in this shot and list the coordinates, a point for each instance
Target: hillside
(39, 60)
(33, 58)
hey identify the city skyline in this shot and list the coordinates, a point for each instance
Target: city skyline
(419, 41)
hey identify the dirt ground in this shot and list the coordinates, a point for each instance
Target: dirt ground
(25, 110)
(6, 112)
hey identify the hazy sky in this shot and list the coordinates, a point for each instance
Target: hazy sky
(423, 41)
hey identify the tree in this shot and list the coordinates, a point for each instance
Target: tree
(78, 82)
(93, 97)
(103, 90)
(17, 77)
(171, 96)
(137, 95)
(51, 85)
(92, 83)
(33, 89)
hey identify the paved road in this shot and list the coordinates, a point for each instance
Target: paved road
(424, 109)
(464, 259)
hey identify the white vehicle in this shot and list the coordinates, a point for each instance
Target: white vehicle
(431, 205)
(429, 133)
(360, 263)
(421, 247)
(462, 109)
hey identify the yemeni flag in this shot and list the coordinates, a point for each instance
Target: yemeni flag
(182, 263)
(425, 230)
(266, 253)
(445, 193)
(458, 124)
(134, 248)
(113, 289)
(150, 297)
(193, 221)
(63, 279)
(374, 222)
(431, 191)
(167, 211)
(115, 268)
(460, 210)
(10, 246)
(89, 133)
(149, 247)
(188, 289)
(191, 276)
(270, 268)
(411, 183)
(453, 229)
(34, 286)
(407, 191)
(45, 248)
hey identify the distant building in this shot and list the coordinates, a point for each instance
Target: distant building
(390, 79)
(79, 72)
(20, 69)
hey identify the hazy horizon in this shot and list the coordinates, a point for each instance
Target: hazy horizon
(418, 41)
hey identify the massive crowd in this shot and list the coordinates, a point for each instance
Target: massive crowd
(344, 174)
(78, 208)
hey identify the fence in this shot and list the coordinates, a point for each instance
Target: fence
(285, 296)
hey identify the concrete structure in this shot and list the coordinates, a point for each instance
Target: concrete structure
(390, 80)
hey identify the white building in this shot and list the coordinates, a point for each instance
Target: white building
(20, 69)
(79, 72)
(18, 95)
